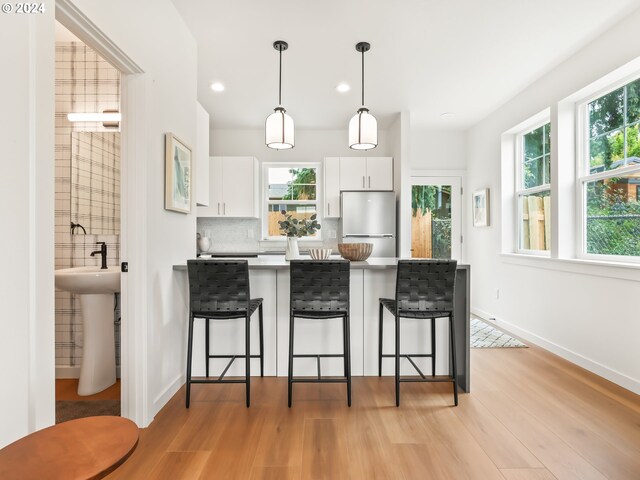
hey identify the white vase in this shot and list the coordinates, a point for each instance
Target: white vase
(204, 244)
(292, 252)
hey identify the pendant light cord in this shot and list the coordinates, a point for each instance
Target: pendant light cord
(363, 78)
(280, 80)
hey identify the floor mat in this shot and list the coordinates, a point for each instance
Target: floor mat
(70, 410)
(484, 335)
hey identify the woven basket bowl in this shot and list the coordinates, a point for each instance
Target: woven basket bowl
(356, 252)
(319, 253)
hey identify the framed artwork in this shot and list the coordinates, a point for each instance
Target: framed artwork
(480, 207)
(177, 195)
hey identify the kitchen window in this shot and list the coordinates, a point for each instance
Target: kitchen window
(293, 188)
(533, 190)
(609, 174)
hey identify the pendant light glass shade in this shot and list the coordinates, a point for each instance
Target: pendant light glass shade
(279, 131)
(363, 131)
(363, 127)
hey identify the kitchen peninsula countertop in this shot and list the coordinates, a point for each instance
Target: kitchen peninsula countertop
(277, 262)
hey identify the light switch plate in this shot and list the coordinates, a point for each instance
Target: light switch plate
(332, 234)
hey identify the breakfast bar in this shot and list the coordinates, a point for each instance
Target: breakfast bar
(370, 280)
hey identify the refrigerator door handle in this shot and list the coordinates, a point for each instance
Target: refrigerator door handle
(366, 235)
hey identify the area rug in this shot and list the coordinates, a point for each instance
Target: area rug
(71, 409)
(485, 336)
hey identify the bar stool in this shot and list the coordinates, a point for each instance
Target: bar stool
(320, 290)
(219, 290)
(424, 290)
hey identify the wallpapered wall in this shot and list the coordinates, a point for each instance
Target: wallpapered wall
(84, 83)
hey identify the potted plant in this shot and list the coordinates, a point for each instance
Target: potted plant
(294, 228)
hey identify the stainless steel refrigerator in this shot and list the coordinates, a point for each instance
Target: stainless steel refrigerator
(370, 217)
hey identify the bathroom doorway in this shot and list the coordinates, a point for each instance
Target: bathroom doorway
(87, 226)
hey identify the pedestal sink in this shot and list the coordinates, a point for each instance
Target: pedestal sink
(95, 287)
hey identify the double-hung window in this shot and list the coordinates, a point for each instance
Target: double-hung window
(609, 174)
(533, 190)
(292, 188)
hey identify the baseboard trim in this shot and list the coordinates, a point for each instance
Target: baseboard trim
(74, 372)
(166, 394)
(603, 371)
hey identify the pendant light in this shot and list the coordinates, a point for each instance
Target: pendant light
(279, 129)
(363, 127)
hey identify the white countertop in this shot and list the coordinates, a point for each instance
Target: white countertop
(277, 262)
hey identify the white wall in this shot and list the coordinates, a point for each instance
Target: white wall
(586, 313)
(164, 48)
(438, 149)
(311, 145)
(26, 213)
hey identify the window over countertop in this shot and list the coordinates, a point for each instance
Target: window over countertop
(293, 188)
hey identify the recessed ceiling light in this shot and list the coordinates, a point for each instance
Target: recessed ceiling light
(343, 87)
(447, 114)
(217, 87)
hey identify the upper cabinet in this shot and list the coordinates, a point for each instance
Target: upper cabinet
(366, 173)
(201, 156)
(332, 187)
(233, 185)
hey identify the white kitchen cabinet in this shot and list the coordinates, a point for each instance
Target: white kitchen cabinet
(201, 157)
(233, 188)
(332, 187)
(366, 173)
(353, 172)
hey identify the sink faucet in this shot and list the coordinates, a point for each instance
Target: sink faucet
(103, 254)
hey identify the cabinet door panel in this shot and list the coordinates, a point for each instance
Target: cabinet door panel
(352, 173)
(215, 190)
(379, 173)
(332, 187)
(238, 195)
(201, 156)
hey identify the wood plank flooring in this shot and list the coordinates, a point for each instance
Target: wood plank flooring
(530, 416)
(67, 389)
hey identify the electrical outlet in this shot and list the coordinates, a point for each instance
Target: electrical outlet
(497, 294)
(250, 233)
(332, 234)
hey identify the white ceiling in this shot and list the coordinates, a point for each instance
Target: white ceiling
(427, 56)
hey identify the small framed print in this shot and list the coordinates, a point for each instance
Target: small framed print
(480, 206)
(177, 196)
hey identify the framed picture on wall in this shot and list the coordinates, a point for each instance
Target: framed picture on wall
(480, 207)
(177, 196)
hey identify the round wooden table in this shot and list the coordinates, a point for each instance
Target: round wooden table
(86, 448)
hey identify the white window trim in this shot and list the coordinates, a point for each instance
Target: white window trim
(264, 204)
(519, 191)
(583, 177)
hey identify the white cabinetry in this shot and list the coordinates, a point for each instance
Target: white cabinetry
(366, 173)
(233, 185)
(332, 187)
(201, 156)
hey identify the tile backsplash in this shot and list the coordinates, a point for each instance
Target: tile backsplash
(244, 235)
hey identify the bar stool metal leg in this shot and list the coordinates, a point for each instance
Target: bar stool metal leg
(380, 329)
(397, 361)
(206, 346)
(453, 360)
(260, 316)
(189, 354)
(433, 347)
(290, 381)
(347, 356)
(247, 334)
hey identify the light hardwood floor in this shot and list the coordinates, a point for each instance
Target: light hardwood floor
(67, 389)
(530, 416)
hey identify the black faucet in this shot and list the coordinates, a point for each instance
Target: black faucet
(103, 254)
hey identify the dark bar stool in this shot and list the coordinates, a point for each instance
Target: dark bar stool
(319, 290)
(219, 290)
(424, 289)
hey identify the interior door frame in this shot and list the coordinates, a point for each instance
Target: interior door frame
(133, 223)
(455, 178)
